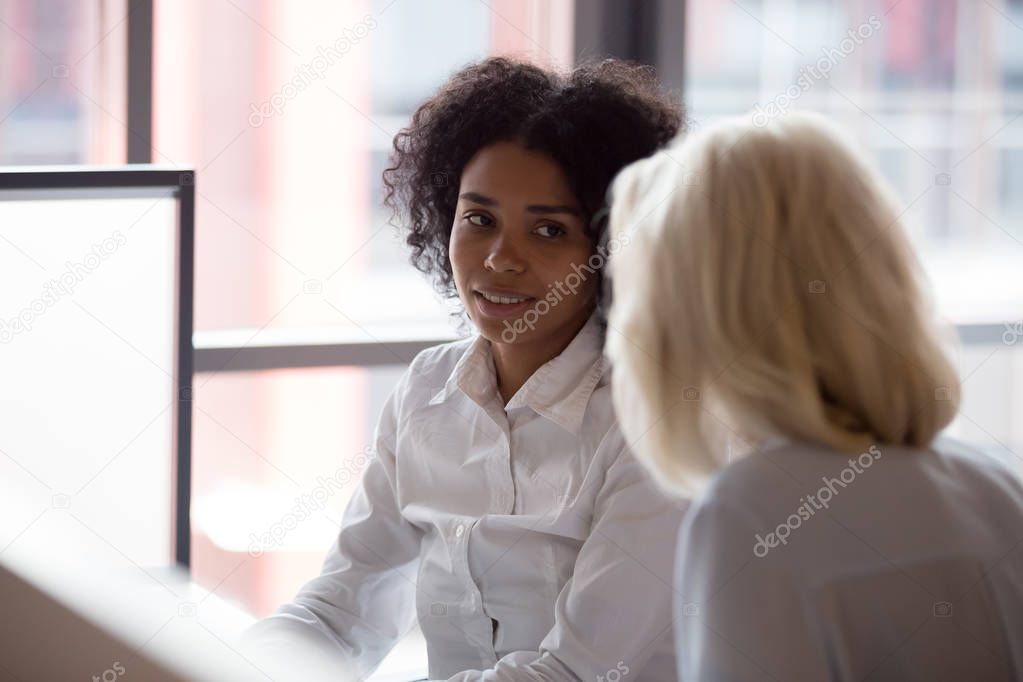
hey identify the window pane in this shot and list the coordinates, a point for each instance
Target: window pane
(289, 111)
(62, 81)
(933, 89)
(265, 443)
(992, 386)
(278, 455)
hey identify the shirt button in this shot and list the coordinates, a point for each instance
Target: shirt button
(460, 531)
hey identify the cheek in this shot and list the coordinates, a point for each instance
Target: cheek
(465, 258)
(573, 268)
(458, 255)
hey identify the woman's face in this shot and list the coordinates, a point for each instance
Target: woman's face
(518, 249)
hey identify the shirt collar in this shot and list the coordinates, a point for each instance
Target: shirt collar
(559, 390)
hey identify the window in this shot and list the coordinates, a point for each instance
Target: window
(288, 114)
(930, 86)
(62, 81)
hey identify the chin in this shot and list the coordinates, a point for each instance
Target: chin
(505, 332)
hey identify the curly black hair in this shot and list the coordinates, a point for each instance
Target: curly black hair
(592, 121)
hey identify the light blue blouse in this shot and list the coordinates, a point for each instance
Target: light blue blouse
(800, 563)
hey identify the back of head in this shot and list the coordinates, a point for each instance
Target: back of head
(768, 287)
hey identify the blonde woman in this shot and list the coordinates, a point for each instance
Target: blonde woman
(773, 355)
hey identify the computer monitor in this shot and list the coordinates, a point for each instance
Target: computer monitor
(85, 619)
(96, 354)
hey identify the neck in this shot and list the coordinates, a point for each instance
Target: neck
(515, 363)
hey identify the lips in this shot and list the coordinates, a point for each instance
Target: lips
(496, 309)
(502, 295)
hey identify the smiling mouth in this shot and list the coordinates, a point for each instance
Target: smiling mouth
(504, 298)
(492, 304)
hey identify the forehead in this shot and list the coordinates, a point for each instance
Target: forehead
(504, 170)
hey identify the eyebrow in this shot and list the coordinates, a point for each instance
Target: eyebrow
(542, 209)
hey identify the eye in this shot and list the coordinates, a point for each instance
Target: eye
(478, 219)
(551, 231)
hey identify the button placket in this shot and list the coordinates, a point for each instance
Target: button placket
(505, 494)
(503, 491)
(477, 623)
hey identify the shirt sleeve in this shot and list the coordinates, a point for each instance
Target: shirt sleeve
(614, 613)
(363, 601)
(739, 613)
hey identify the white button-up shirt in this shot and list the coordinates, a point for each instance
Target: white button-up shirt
(526, 538)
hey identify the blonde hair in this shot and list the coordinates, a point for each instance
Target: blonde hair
(767, 289)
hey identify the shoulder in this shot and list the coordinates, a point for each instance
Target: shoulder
(599, 429)
(429, 372)
(438, 361)
(770, 481)
(746, 477)
(987, 473)
(774, 479)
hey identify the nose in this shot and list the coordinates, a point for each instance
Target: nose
(504, 256)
